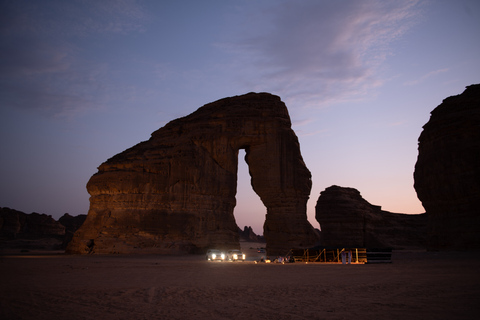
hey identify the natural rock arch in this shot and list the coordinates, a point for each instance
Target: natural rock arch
(175, 193)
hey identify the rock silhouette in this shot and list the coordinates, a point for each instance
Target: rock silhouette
(247, 234)
(175, 193)
(447, 172)
(347, 219)
(14, 224)
(35, 231)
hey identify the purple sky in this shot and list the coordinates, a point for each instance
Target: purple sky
(81, 81)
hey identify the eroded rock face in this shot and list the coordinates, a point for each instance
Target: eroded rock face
(71, 224)
(33, 231)
(447, 172)
(247, 234)
(346, 219)
(175, 193)
(14, 224)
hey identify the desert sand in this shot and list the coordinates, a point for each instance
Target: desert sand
(416, 285)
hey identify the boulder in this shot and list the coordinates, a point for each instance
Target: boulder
(348, 220)
(175, 193)
(447, 172)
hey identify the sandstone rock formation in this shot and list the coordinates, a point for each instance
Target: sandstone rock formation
(175, 193)
(447, 172)
(20, 231)
(71, 224)
(247, 234)
(14, 224)
(346, 219)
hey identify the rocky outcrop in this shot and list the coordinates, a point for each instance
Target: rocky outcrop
(346, 219)
(447, 172)
(175, 193)
(247, 234)
(14, 224)
(35, 231)
(71, 224)
(22, 231)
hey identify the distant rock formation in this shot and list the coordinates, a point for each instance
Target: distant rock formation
(71, 224)
(19, 230)
(447, 172)
(346, 219)
(175, 193)
(15, 223)
(247, 234)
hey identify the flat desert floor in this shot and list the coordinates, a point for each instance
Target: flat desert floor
(416, 285)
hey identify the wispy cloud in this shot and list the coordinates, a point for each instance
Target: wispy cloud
(323, 50)
(71, 18)
(41, 66)
(302, 122)
(425, 77)
(304, 133)
(396, 124)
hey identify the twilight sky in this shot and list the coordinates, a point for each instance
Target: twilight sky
(83, 80)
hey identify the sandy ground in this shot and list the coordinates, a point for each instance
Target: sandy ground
(417, 285)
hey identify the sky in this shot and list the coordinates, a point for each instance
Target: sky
(83, 80)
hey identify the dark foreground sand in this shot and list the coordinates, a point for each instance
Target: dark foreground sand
(417, 285)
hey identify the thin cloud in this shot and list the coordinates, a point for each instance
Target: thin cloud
(425, 77)
(324, 50)
(41, 68)
(73, 18)
(303, 122)
(303, 133)
(396, 124)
